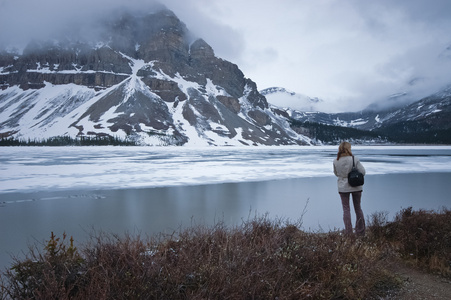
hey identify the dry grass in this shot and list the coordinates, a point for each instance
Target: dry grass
(421, 238)
(260, 259)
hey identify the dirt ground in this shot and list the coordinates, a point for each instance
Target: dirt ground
(419, 285)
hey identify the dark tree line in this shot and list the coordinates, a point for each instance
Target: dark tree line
(416, 133)
(330, 134)
(409, 132)
(68, 141)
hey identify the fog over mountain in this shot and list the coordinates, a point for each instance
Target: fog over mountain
(350, 53)
(84, 20)
(365, 52)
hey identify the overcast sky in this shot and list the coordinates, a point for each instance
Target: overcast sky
(347, 52)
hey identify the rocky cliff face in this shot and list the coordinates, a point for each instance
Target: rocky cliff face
(143, 77)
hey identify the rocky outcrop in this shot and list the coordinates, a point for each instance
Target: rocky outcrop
(56, 64)
(231, 103)
(169, 91)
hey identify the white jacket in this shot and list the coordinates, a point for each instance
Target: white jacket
(342, 167)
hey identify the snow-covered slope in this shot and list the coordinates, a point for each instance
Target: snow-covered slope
(131, 109)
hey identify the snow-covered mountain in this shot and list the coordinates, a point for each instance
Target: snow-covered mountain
(430, 109)
(427, 120)
(143, 78)
(284, 98)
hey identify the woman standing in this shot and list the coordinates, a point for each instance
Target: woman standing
(342, 166)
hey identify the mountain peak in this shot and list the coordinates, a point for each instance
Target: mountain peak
(273, 90)
(200, 48)
(284, 98)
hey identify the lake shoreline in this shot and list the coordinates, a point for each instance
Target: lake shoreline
(29, 217)
(258, 246)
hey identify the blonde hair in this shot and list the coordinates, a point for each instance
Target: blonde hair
(344, 150)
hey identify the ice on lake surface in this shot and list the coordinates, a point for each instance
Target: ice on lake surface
(153, 190)
(54, 168)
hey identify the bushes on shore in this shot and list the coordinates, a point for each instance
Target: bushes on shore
(422, 238)
(261, 259)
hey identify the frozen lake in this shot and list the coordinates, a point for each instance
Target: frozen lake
(28, 169)
(151, 190)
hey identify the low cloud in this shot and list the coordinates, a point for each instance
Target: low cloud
(24, 20)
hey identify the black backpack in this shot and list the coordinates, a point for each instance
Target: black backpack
(355, 178)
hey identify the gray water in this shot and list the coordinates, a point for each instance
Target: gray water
(313, 201)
